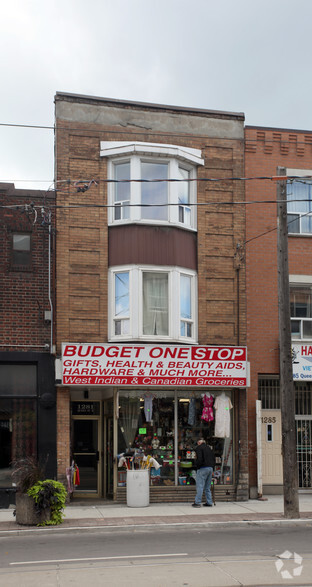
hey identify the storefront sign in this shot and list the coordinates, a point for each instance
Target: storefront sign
(96, 364)
(302, 362)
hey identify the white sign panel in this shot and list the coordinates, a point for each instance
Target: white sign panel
(108, 364)
(302, 362)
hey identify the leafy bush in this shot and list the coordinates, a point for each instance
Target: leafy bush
(49, 494)
(26, 472)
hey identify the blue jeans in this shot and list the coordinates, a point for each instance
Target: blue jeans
(203, 483)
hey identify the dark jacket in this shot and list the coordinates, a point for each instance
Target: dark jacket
(204, 456)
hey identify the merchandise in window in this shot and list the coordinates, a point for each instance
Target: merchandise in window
(146, 427)
(161, 304)
(205, 416)
(140, 190)
(146, 430)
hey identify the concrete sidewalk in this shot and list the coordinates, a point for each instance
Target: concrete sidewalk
(100, 513)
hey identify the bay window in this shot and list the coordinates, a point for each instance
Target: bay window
(151, 303)
(151, 183)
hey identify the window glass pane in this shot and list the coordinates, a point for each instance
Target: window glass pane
(154, 192)
(18, 379)
(122, 190)
(21, 242)
(299, 196)
(155, 304)
(122, 294)
(17, 434)
(293, 223)
(300, 302)
(295, 328)
(185, 297)
(184, 186)
(307, 329)
(21, 249)
(306, 224)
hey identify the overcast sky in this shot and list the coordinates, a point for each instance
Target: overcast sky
(251, 56)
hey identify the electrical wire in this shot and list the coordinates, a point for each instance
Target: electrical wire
(267, 141)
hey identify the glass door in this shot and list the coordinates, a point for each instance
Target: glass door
(86, 453)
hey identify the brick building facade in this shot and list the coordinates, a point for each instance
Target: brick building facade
(267, 149)
(132, 274)
(27, 380)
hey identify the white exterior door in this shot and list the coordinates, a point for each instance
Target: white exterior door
(271, 434)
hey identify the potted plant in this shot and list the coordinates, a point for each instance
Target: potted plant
(50, 498)
(39, 501)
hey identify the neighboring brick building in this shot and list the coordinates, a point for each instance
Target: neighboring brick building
(133, 274)
(27, 379)
(267, 149)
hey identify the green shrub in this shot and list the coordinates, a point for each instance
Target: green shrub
(49, 494)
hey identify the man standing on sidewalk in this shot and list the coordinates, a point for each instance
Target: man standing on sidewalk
(205, 462)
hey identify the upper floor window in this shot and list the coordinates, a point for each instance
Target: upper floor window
(149, 303)
(301, 311)
(21, 249)
(155, 197)
(299, 205)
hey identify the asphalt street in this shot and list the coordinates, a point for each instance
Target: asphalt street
(188, 556)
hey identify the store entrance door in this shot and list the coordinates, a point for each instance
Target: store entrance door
(86, 442)
(272, 462)
(92, 447)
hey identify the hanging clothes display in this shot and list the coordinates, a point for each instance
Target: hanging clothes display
(222, 406)
(207, 414)
(192, 412)
(148, 406)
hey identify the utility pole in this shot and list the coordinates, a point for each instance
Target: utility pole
(287, 391)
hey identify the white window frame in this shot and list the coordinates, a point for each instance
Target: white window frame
(136, 303)
(298, 215)
(135, 152)
(300, 281)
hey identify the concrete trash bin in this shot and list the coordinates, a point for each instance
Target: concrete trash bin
(138, 488)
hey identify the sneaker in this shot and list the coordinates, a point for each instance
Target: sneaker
(208, 505)
(196, 505)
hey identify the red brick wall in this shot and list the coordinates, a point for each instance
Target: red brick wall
(24, 292)
(266, 149)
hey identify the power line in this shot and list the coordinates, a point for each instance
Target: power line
(278, 140)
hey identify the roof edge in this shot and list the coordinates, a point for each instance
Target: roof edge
(115, 102)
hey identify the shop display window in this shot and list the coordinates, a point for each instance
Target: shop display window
(147, 430)
(197, 418)
(146, 427)
(18, 437)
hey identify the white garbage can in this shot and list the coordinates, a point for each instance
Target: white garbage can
(138, 488)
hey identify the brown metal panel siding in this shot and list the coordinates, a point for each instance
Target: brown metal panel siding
(152, 245)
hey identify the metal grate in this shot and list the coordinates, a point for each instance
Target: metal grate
(304, 448)
(269, 392)
(303, 399)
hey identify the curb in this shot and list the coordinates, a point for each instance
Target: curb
(9, 528)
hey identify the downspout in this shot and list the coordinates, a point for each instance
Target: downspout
(49, 284)
(238, 411)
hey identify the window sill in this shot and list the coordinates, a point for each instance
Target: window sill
(152, 340)
(152, 223)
